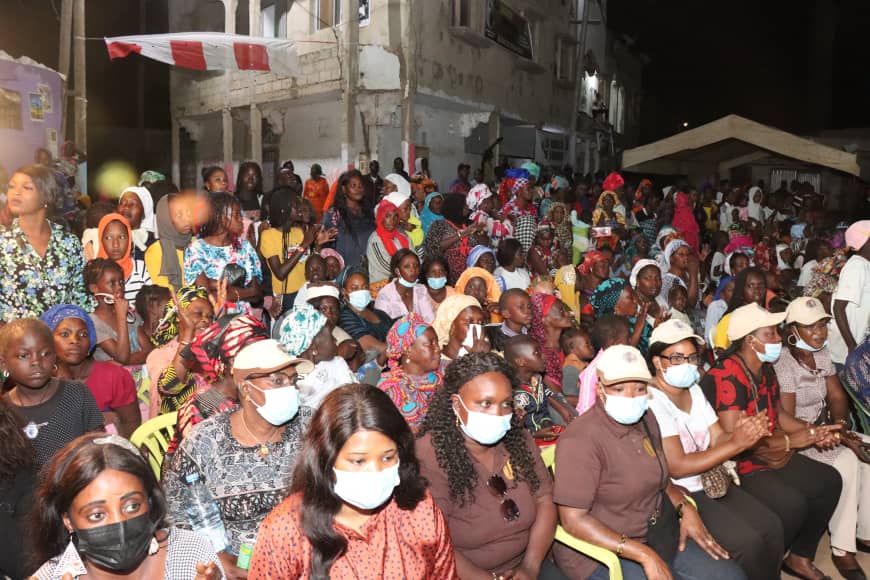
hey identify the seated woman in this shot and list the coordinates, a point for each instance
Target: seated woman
(55, 411)
(459, 326)
(434, 275)
(365, 324)
(646, 279)
(116, 244)
(812, 392)
(802, 492)
(383, 244)
(481, 466)
(431, 211)
(594, 270)
(111, 385)
(358, 505)
(750, 285)
(170, 364)
(414, 358)
(404, 293)
(305, 334)
(101, 513)
(115, 325)
(511, 265)
(244, 458)
(481, 203)
(450, 238)
(541, 257)
(482, 256)
(220, 242)
(682, 270)
(694, 443)
(612, 487)
(616, 296)
(482, 285)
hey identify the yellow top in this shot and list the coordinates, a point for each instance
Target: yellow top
(153, 258)
(416, 235)
(271, 245)
(720, 333)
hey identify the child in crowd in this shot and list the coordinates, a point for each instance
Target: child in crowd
(678, 300)
(577, 347)
(113, 321)
(512, 260)
(334, 263)
(542, 285)
(609, 330)
(515, 307)
(315, 272)
(533, 397)
(717, 262)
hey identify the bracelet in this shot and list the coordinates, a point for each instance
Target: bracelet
(620, 547)
(787, 442)
(183, 343)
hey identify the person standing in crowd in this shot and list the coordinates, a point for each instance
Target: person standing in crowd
(116, 243)
(249, 188)
(316, 189)
(450, 237)
(176, 215)
(40, 262)
(461, 184)
(137, 205)
(358, 504)
(374, 182)
(352, 218)
(851, 300)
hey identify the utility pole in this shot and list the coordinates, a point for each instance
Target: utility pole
(578, 71)
(81, 93)
(349, 46)
(66, 13)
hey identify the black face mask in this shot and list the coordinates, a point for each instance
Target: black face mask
(119, 547)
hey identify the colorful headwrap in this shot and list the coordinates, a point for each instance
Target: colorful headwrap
(402, 335)
(126, 262)
(168, 327)
(558, 182)
(533, 169)
(589, 260)
(330, 253)
(607, 295)
(447, 313)
(151, 176)
(541, 305)
(493, 292)
(721, 288)
(638, 194)
(519, 185)
(476, 254)
(635, 272)
(215, 347)
(604, 195)
(613, 181)
(477, 195)
(427, 216)
(57, 314)
(388, 238)
(299, 328)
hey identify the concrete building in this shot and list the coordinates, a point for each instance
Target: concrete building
(441, 79)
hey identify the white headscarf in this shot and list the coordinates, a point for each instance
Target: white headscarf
(780, 263)
(755, 206)
(403, 188)
(671, 248)
(635, 272)
(148, 221)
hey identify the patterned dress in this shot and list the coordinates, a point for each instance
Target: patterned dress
(410, 394)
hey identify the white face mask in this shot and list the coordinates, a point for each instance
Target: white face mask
(484, 428)
(804, 345)
(366, 490)
(280, 406)
(626, 410)
(682, 376)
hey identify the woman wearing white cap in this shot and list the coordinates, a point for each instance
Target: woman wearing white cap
(802, 492)
(812, 392)
(695, 443)
(612, 487)
(244, 458)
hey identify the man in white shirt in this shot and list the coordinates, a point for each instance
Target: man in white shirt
(851, 301)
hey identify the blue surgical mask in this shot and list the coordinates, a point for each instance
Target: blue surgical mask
(626, 410)
(771, 352)
(802, 344)
(366, 490)
(405, 283)
(682, 376)
(437, 283)
(359, 299)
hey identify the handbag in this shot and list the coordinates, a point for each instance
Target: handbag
(716, 480)
(663, 532)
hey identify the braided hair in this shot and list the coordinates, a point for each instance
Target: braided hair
(450, 449)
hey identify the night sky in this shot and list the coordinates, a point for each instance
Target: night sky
(750, 57)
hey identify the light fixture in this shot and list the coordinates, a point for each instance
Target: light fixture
(685, 124)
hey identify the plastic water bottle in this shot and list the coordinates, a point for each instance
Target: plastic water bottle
(203, 513)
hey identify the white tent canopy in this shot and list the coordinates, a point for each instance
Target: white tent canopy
(730, 142)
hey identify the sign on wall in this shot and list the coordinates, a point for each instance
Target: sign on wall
(509, 28)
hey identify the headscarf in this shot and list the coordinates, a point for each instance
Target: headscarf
(533, 169)
(553, 358)
(638, 194)
(518, 185)
(607, 295)
(780, 263)
(748, 252)
(215, 347)
(603, 196)
(330, 253)
(170, 242)
(57, 314)
(666, 231)
(635, 272)
(148, 224)
(476, 196)
(447, 313)
(388, 238)
(299, 328)
(476, 254)
(566, 283)
(427, 216)
(402, 335)
(717, 295)
(493, 292)
(150, 176)
(562, 228)
(126, 262)
(589, 260)
(754, 207)
(525, 230)
(347, 273)
(558, 182)
(403, 188)
(168, 327)
(671, 248)
(612, 182)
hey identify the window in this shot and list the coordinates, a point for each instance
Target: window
(268, 24)
(243, 24)
(565, 58)
(460, 14)
(10, 110)
(327, 13)
(613, 103)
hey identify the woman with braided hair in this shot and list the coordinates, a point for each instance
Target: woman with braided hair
(483, 466)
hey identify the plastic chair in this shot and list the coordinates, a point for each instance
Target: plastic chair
(603, 555)
(860, 409)
(155, 435)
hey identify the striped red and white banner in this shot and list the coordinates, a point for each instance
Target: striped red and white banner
(210, 51)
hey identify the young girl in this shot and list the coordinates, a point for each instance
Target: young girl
(113, 321)
(116, 244)
(512, 265)
(55, 411)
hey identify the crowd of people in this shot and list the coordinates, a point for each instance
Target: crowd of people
(375, 378)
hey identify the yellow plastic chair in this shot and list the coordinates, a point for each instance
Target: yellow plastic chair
(155, 435)
(603, 555)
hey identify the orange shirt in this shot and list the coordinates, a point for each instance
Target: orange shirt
(395, 543)
(316, 191)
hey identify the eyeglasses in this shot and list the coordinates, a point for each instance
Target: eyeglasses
(509, 509)
(679, 358)
(278, 379)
